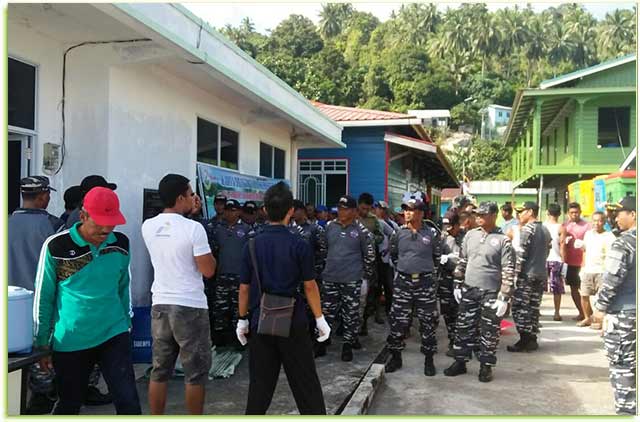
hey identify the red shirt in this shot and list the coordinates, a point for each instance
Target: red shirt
(573, 256)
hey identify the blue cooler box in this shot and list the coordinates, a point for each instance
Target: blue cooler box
(141, 334)
(20, 323)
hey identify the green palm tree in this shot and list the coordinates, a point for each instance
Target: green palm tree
(616, 34)
(333, 17)
(535, 46)
(485, 40)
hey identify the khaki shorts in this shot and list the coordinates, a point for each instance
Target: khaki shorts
(590, 284)
(185, 332)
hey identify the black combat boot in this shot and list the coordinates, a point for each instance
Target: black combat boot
(40, 404)
(485, 374)
(429, 368)
(347, 353)
(457, 368)
(395, 363)
(320, 350)
(95, 397)
(532, 344)
(356, 344)
(378, 315)
(519, 346)
(450, 351)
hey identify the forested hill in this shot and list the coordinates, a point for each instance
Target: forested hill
(423, 58)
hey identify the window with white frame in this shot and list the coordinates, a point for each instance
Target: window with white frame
(272, 161)
(217, 145)
(322, 182)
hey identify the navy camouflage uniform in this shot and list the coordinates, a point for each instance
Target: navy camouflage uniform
(368, 305)
(350, 259)
(227, 244)
(448, 304)
(314, 234)
(416, 257)
(531, 276)
(617, 298)
(486, 266)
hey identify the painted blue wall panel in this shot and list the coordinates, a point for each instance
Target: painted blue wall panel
(366, 153)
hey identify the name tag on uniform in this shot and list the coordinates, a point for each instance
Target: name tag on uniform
(415, 277)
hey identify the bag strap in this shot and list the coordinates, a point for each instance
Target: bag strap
(254, 262)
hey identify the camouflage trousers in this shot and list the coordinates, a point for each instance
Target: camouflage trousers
(477, 326)
(526, 304)
(448, 305)
(418, 291)
(341, 301)
(225, 302)
(43, 382)
(620, 346)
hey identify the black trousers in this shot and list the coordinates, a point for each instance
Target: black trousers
(73, 369)
(295, 353)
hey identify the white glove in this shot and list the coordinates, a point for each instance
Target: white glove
(563, 271)
(457, 294)
(444, 259)
(568, 239)
(500, 305)
(323, 329)
(578, 244)
(242, 329)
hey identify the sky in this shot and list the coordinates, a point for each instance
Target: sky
(267, 15)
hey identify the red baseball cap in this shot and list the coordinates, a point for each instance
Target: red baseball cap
(103, 207)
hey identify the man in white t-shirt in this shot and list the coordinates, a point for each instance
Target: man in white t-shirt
(596, 244)
(180, 255)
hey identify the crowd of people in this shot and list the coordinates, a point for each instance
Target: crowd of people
(323, 273)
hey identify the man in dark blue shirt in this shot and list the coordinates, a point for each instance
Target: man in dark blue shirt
(284, 261)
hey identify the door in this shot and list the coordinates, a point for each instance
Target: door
(18, 160)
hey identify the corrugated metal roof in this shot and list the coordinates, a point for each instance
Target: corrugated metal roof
(450, 193)
(350, 114)
(588, 71)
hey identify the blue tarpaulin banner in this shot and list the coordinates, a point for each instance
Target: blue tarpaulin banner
(242, 187)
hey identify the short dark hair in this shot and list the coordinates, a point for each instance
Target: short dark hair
(554, 210)
(464, 216)
(30, 196)
(573, 205)
(299, 205)
(365, 198)
(278, 200)
(598, 213)
(171, 187)
(73, 197)
(507, 207)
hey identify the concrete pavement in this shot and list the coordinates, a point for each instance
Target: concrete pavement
(568, 375)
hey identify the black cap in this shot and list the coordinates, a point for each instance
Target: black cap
(414, 204)
(298, 205)
(347, 202)
(250, 207)
(95, 181)
(220, 197)
(486, 207)
(527, 205)
(451, 218)
(35, 184)
(628, 203)
(232, 204)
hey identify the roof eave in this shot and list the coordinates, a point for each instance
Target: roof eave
(586, 72)
(261, 84)
(387, 122)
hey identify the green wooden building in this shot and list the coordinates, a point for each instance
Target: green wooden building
(573, 127)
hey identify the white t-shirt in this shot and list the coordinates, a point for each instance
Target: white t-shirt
(596, 246)
(554, 231)
(173, 241)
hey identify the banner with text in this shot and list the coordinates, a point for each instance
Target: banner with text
(241, 187)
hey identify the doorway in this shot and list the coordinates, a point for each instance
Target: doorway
(19, 161)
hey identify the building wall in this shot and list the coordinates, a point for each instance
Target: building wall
(624, 75)
(131, 123)
(366, 154)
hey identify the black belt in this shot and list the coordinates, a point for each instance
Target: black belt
(416, 276)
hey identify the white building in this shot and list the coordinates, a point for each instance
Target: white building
(432, 118)
(494, 120)
(149, 89)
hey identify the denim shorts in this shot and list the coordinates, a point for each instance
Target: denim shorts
(185, 332)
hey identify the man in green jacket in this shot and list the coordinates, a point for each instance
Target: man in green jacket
(82, 306)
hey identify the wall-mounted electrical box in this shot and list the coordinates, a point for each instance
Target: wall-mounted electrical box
(50, 158)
